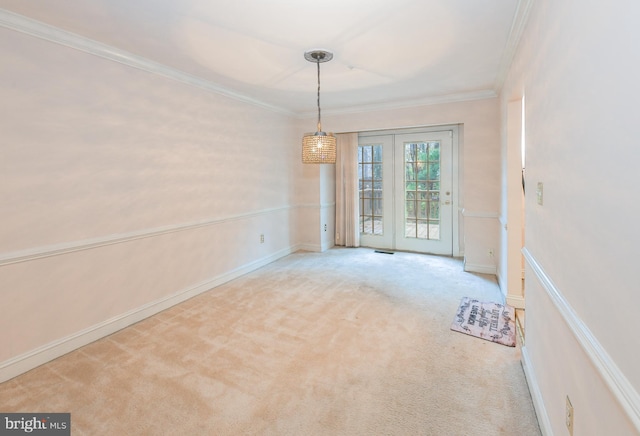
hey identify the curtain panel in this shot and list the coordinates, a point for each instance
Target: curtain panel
(347, 208)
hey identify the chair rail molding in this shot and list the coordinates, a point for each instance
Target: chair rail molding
(616, 381)
(479, 214)
(88, 244)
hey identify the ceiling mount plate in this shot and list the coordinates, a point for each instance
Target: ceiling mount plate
(318, 56)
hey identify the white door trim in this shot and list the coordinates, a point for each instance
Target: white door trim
(456, 174)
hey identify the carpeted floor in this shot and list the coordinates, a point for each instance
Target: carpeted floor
(346, 342)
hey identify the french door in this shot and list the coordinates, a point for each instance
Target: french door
(406, 191)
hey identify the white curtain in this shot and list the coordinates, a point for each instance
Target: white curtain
(347, 231)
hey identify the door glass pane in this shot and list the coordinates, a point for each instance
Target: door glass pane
(366, 154)
(410, 229)
(434, 151)
(422, 149)
(409, 172)
(422, 190)
(377, 172)
(422, 210)
(434, 211)
(370, 183)
(377, 153)
(434, 171)
(410, 210)
(434, 229)
(421, 170)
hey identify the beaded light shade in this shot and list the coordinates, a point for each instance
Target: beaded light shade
(318, 147)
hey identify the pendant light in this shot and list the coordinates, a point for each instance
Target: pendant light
(319, 147)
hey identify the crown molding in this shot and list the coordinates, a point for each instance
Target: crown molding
(56, 35)
(405, 104)
(520, 20)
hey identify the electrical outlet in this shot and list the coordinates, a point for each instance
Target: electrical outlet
(325, 227)
(569, 416)
(262, 239)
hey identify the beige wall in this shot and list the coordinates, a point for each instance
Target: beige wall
(123, 192)
(577, 67)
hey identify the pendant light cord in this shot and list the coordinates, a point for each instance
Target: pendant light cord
(319, 124)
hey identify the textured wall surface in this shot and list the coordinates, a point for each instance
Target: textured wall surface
(581, 244)
(120, 188)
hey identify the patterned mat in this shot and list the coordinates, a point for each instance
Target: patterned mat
(491, 321)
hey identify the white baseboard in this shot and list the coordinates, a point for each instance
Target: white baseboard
(482, 269)
(536, 395)
(27, 361)
(310, 247)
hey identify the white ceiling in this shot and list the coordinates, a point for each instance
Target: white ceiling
(386, 52)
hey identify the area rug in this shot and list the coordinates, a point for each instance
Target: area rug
(491, 321)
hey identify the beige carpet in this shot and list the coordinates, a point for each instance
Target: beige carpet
(347, 342)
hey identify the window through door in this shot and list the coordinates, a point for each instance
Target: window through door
(422, 190)
(406, 191)
(370, 186)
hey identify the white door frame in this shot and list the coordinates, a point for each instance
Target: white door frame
(456, 175)
(515, 204)
(444, 244)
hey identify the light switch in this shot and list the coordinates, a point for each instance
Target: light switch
(539, 193)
